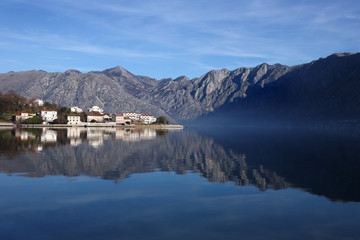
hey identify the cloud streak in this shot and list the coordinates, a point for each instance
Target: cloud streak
(185, 31)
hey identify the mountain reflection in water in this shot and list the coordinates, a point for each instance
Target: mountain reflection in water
(319, 164)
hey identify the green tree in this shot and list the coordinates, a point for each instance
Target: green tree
(63, 110)
(47, 105)
(33, 120)
(60, 120)
(162, 120)
(82, 117)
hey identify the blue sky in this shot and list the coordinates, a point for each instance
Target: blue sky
(175, 37)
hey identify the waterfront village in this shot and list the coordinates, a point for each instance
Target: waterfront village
(92, 126)
(95, 116)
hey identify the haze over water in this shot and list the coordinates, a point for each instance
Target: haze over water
(146, 184)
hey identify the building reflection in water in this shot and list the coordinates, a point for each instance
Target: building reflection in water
(74, 134)
(48, 135)
(135, 135)
(22, 135)
(96, 136)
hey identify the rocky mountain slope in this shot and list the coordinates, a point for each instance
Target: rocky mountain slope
(326, 89)
(333, 80)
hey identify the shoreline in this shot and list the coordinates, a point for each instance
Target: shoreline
(4, 125)
(91, 125)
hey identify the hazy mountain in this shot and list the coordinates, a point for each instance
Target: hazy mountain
(321, 90)
(327, 87)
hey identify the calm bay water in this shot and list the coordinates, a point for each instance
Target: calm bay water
(145, 184)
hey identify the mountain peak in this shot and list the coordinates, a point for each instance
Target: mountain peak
(69, 71)
(182, 78)
(118, 71)
(343, 54)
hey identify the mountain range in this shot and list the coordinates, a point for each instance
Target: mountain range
(327, 88)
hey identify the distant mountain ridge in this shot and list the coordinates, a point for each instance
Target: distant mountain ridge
(328, 85)
(325, 89)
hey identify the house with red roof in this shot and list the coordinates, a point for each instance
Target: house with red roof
(73, 119)
(132, 115)
(118, 118)
(94, 116)
(147, 118)
(21, 116)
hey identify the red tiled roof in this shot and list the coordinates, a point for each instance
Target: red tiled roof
(19, 113)
(93, 114)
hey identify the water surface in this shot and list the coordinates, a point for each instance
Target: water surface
(80, 183)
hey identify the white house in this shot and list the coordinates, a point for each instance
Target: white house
(21, 116)
(73, 119)
(106, 117)
(96, 109)
(48, 115)
(76, 109)
(118, 118)
(147, 119)
(39, 102)
(96, 116)
(132, 115)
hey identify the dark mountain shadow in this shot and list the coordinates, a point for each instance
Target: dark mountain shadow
(323, 92)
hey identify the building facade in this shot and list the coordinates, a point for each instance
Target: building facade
(96, 109)
(20, 116)
(94, 116)
(107, 117)
(76, 109)
(73, 119)
(39, 102)
(118, 118)
(48, 115)
(132, 115)
(148, 119)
